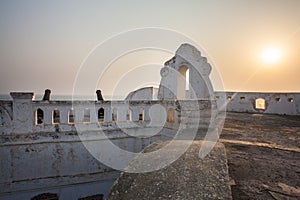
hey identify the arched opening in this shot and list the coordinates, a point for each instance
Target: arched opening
(260, 104)
(187, 80)
(129, 115)
(114, 115)
(39, 116)
(101, 115)
(86, 115)
(71, 117)
(141, 114)
(171, 115)
(56, 116)
(182, 82)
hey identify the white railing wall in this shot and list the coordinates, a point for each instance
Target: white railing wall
(38, 116)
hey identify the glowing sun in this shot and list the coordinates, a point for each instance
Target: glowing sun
(271, 55)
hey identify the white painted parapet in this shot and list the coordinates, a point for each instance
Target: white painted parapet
(24, 115)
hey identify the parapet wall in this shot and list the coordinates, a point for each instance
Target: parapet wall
(27, 116)
(256, 102)
(23, 115)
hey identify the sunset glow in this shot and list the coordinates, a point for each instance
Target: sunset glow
(272, 55)
(44, 43)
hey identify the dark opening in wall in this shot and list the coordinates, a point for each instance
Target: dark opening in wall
(101, 115)
(290, 100)
(93, 197)
(277, 99)
(45, 196)
(71, 116)
(39, 116)
(260, 104)
(141, 115)
(242, 98)
(56, 116)
(229, 98)
(86, 115)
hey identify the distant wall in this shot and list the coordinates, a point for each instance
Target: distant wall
(255, 102)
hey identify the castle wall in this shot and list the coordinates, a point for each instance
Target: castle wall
(48, 155)
(274, 103)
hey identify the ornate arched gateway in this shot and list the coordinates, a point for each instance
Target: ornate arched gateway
(172, 85)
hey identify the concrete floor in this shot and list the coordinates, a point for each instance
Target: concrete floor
(263, 154)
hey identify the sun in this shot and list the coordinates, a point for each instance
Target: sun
(271, 55)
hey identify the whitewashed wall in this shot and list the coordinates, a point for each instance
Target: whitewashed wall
(20, 115)
(275, 103)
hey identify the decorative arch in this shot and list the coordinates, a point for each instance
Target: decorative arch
(187, 59)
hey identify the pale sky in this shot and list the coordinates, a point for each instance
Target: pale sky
(44, 43)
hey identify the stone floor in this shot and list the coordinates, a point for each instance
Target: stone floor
(189, 177)
(263, 153)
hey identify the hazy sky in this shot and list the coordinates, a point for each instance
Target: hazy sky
(43, 43)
